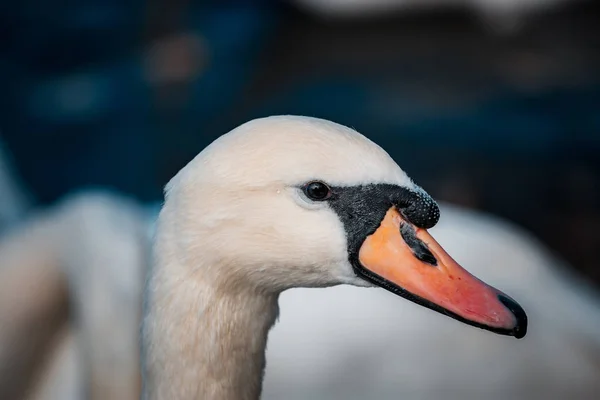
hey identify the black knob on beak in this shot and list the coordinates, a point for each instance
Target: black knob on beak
(420, 209)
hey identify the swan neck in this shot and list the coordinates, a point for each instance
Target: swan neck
(205, 343)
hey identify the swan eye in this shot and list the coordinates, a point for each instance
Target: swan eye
(317, 191)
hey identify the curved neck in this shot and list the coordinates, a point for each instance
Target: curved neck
(202, 343)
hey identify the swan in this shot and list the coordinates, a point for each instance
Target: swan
(71, 279)
(279, 203)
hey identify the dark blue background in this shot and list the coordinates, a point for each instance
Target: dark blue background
(505, 124)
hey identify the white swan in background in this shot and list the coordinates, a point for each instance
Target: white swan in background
(368, 7)
(278, 203)
(500, 13)
(86, 256)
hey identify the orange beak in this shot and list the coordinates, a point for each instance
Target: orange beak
(408, 261)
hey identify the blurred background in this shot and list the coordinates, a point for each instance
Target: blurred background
(488, 104)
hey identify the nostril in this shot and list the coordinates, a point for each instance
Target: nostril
(419, 249)
(520, 329)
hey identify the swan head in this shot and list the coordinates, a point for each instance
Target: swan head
(289, 201)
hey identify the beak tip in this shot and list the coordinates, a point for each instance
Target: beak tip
(520, 329)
